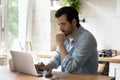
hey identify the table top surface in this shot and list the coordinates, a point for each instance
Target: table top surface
(6, 74)
(110, 59)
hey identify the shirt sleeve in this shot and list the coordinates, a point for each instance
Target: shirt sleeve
(56, 59)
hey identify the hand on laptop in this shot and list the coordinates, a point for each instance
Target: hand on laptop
(40, 66)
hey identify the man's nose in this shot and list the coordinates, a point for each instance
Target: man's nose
(61, 28)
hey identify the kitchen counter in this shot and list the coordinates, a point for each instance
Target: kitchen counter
(110, 59)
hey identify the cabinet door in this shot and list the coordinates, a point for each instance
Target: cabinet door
(117, 74)
(112, 69)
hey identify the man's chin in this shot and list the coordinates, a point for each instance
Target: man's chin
(67, 35)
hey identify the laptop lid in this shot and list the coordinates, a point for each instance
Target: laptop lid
(23, 62)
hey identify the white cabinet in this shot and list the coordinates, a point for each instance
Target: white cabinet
(117, 74)
(114, 70)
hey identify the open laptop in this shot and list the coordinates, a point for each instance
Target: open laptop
(24, 63)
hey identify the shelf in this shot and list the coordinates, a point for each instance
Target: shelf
(55, 7)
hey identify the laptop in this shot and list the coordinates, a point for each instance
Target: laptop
(24, 63)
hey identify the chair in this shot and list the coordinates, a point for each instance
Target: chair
(101, 69)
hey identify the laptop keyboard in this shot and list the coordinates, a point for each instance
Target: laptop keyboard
(40, 73)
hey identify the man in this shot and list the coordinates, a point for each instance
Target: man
(76, 47)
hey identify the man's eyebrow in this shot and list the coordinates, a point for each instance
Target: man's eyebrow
(61, 23)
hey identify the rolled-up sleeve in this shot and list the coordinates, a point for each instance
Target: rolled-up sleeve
(56, 60)
(67, 62)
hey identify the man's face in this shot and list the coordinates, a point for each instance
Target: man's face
(66, 27)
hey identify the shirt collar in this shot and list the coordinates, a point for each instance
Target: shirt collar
(77, 34)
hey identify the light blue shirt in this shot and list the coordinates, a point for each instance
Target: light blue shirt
(82, 55)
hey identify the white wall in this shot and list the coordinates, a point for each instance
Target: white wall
(41, 25)
(102, 19)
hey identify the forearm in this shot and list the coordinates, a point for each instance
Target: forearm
(62, 50)
(60, 38)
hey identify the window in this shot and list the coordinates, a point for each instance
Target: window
(22, 15)
(15, 22)
(3, 25)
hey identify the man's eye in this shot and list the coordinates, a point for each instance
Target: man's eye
(62, 24)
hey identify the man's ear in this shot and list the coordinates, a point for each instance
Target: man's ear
(74, 22)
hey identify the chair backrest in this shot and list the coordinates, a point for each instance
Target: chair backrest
(101, 69)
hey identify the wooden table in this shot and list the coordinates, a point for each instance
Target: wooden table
(6, 74)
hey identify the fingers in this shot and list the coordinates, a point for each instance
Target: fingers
(40, 66)
(37, 66)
